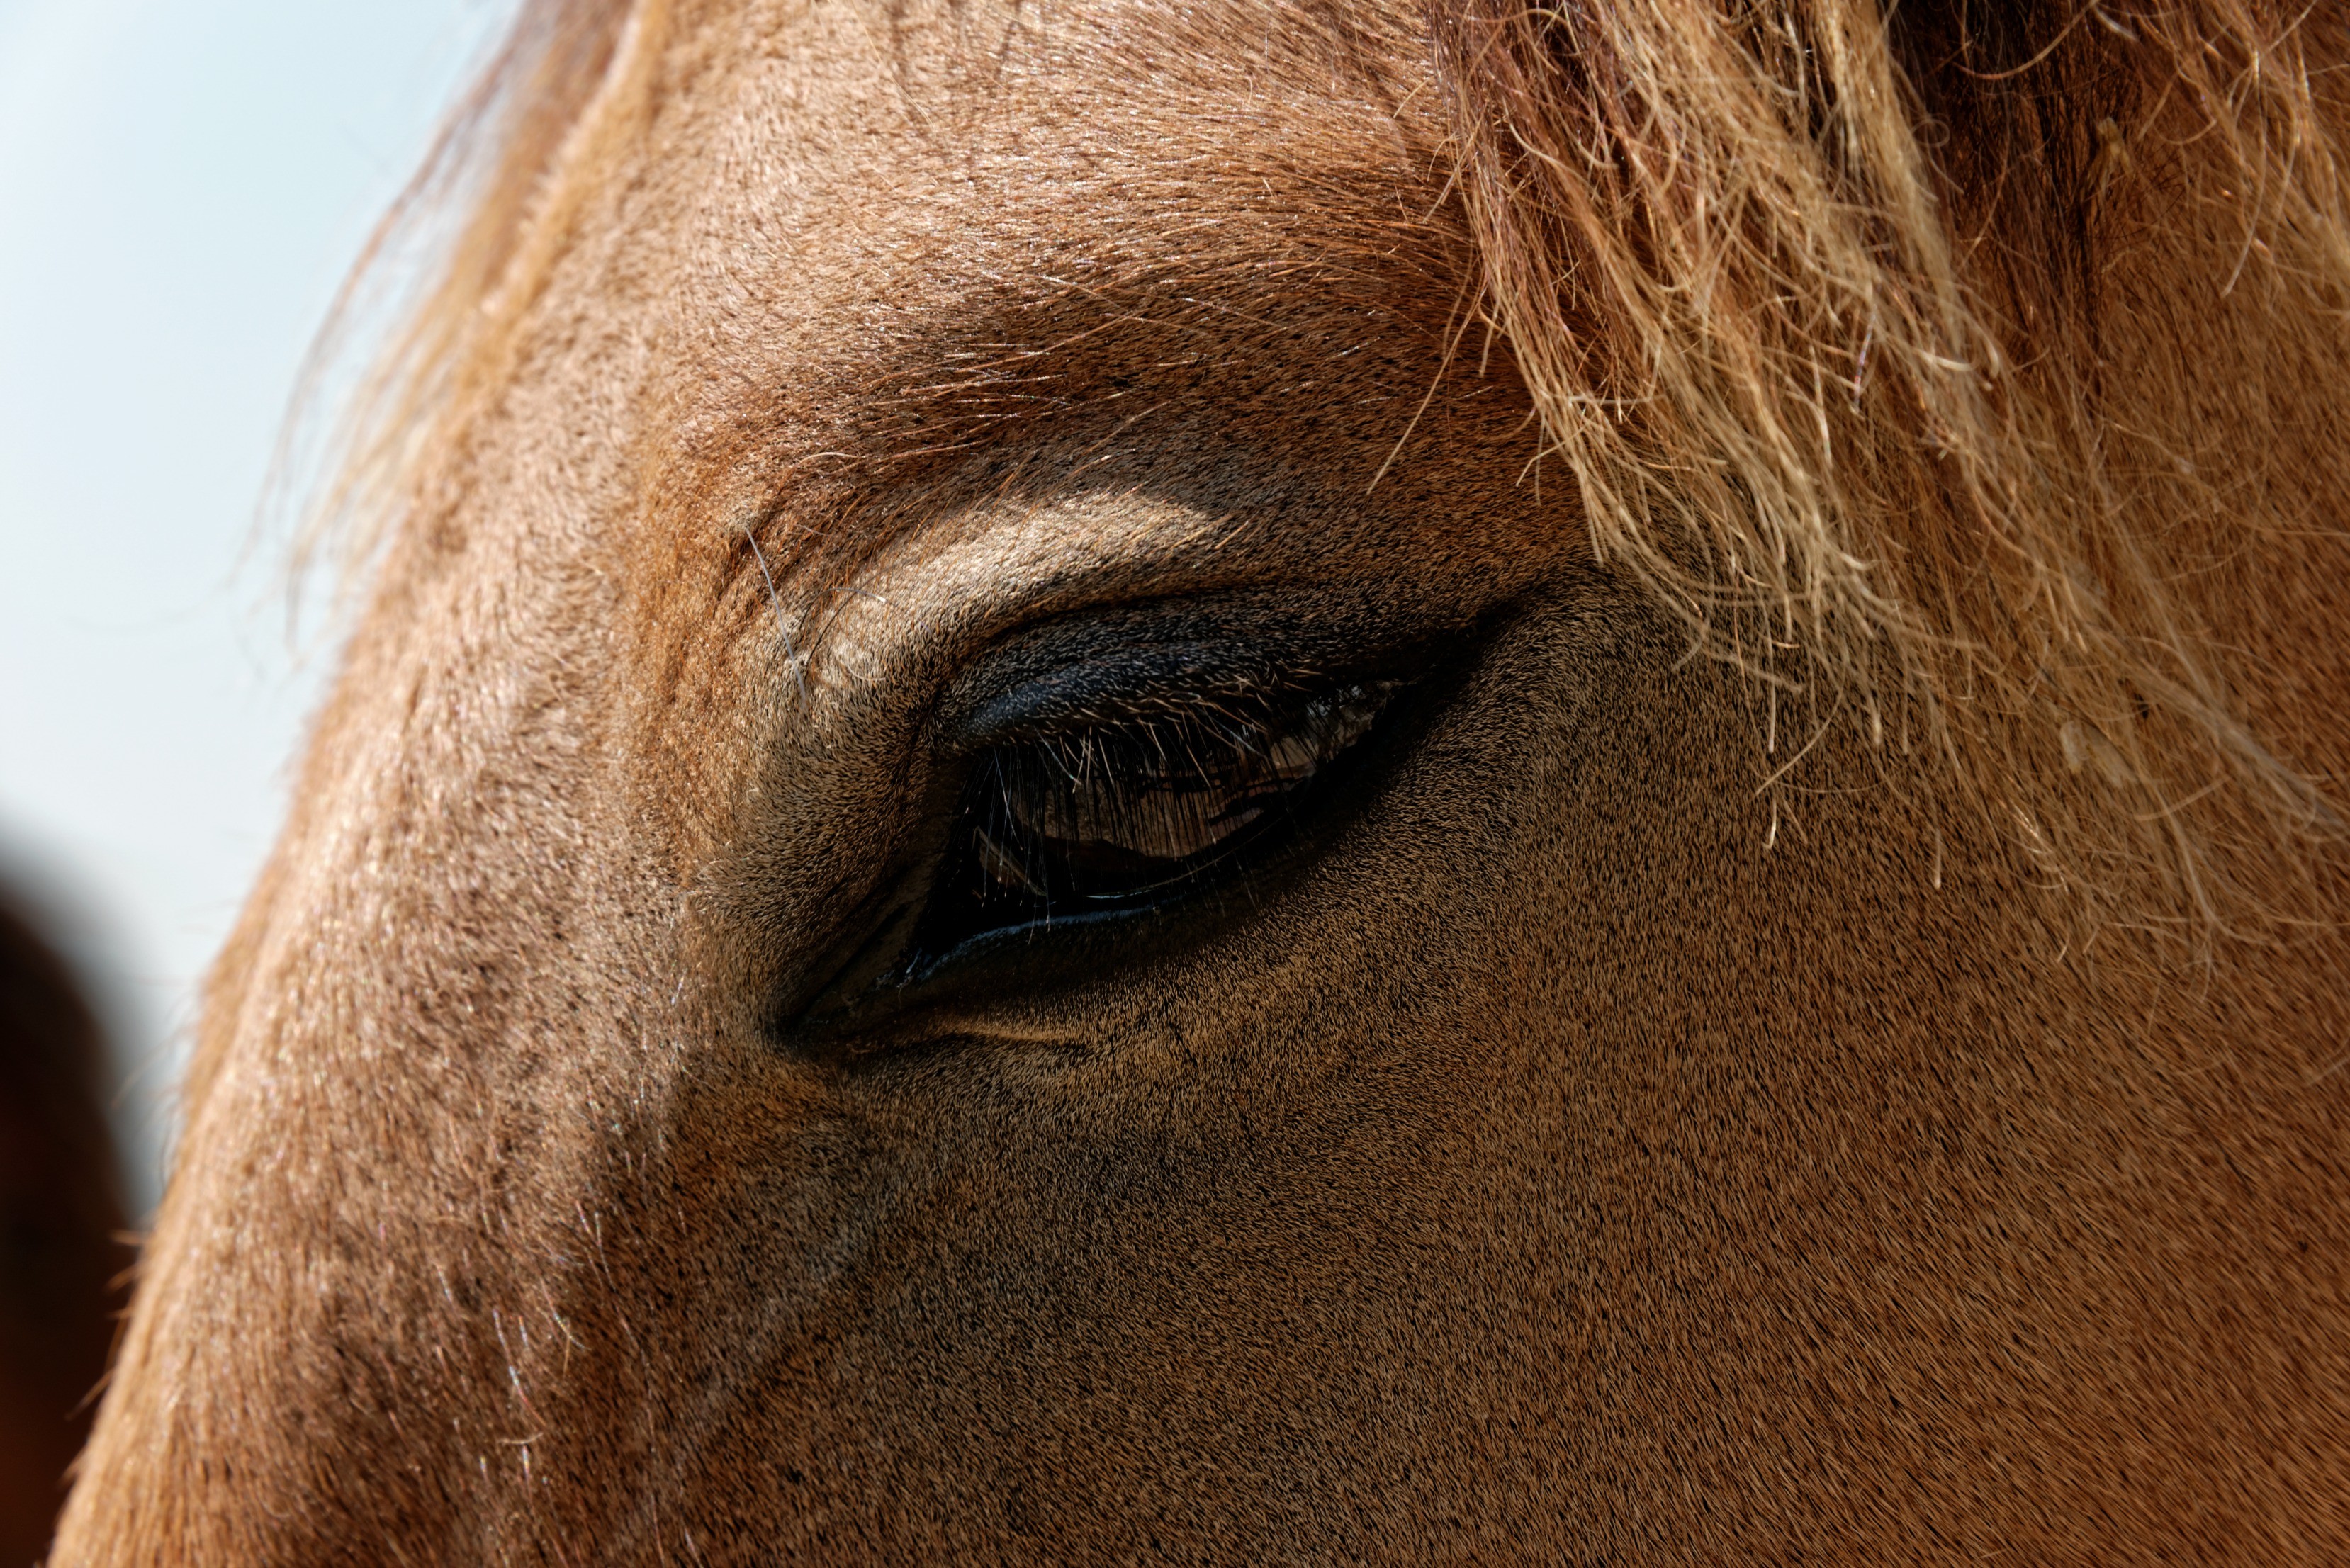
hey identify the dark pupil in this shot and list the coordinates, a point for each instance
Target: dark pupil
(1125, 813)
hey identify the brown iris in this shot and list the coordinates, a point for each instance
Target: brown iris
(1127, 811)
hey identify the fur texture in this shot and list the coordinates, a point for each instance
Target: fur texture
(1825, 1045)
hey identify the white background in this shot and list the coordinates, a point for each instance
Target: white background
(183, 184)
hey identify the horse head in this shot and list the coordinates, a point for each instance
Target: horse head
(1323, 781)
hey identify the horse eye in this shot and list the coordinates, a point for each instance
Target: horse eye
(1134, 811)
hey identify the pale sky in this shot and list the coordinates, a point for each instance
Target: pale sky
(182, 183)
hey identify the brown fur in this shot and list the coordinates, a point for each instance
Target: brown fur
(1870, 1092)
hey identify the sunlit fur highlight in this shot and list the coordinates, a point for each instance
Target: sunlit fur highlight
(1839, 396)
(1814, 309)
(1583, 1148)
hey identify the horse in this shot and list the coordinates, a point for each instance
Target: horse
(1307, 780)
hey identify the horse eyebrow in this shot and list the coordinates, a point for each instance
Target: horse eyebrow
(1704, 414)
(1011, 352)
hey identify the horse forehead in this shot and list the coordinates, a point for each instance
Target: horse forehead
(811, 231)
(846, 201)
(873, 163)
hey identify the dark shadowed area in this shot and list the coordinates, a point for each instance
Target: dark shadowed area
(61, 1218)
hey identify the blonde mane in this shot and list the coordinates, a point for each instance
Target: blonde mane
(1841, 395)
(1818, 310)
(1852, 1058)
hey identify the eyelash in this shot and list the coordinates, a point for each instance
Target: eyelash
(1134, 811)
